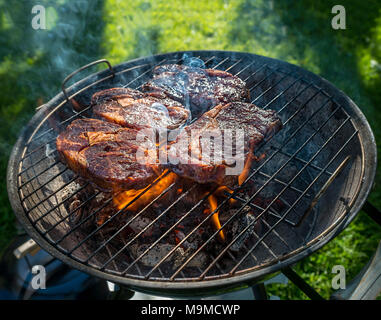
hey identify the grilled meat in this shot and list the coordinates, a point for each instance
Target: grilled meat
(238, 129)
(134, 109)
(106, 154)
(200, 89)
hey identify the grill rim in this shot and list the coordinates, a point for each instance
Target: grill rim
(181, 287)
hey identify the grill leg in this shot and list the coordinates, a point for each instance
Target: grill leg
(372, 212)
(259, 291)
(301, 284)
(116, 292)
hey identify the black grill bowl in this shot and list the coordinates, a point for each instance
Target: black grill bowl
(321, 166)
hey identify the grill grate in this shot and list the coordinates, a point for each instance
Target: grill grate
(318, 136)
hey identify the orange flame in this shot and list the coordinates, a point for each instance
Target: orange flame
(246, 169)
(220, 191)
(216, 221)
(155, 189)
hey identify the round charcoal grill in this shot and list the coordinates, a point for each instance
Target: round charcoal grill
(315, 177)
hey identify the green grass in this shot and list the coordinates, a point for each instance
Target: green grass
(32, 64)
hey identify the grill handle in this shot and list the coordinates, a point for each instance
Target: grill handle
(81, 69)
(367, 284)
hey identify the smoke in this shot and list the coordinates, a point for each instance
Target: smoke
(193, 61)
(72, 38)
(33, 62)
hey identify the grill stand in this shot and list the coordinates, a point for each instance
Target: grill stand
(365, 286)
(259, 291)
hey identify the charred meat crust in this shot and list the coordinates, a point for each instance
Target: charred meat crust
(257, 125)
(105, 153)
(134, 109)
(200, 89)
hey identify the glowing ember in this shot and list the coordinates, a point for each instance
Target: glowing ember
(154, 190)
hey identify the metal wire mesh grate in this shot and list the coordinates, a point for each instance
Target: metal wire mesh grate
(307, 157)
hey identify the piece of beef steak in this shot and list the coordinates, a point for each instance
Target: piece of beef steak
(134, 109)
(200, 89)
(106, 154)
(237, 129)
